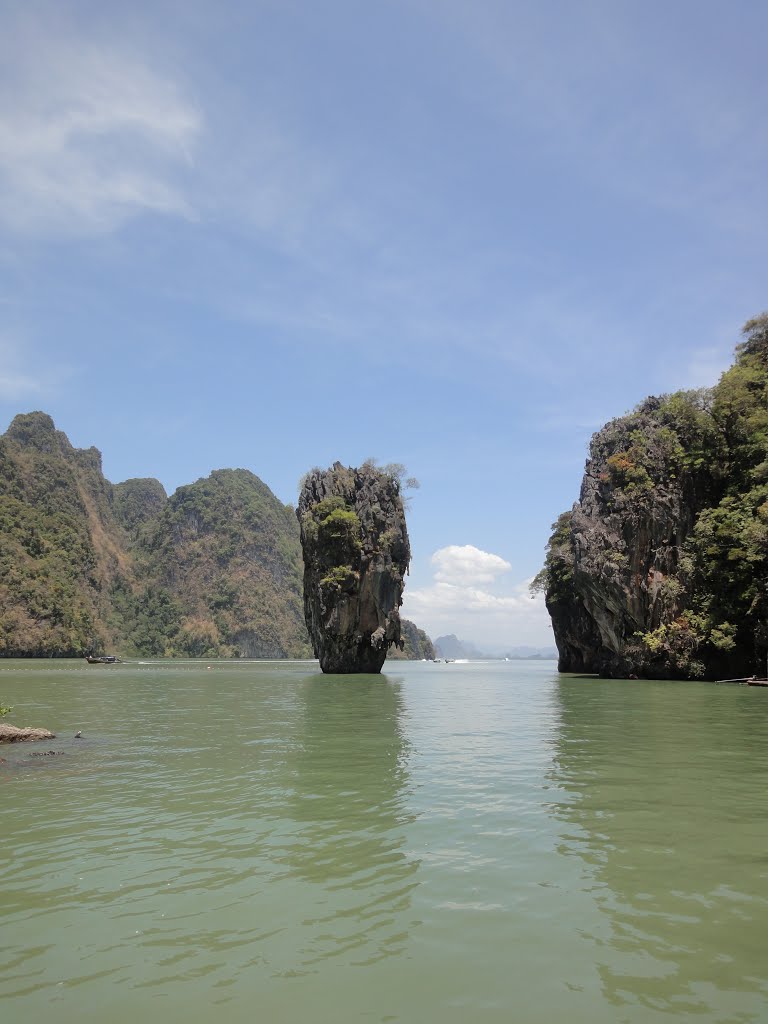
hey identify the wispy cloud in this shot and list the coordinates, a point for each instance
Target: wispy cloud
(17, 381)
(14, 386)
(680, 139)
(89, 135)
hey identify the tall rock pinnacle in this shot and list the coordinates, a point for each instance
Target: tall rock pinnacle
(356, 554)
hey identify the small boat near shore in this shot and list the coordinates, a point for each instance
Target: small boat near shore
(105, 659)
(745, 681)
(753, 680)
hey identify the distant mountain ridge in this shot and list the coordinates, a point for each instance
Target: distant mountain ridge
(213, 570)
(451, 647)
(525, 653)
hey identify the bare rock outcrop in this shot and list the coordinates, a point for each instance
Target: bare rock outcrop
(614, 559)
(661, 568)
(13, 734)
(356, 555)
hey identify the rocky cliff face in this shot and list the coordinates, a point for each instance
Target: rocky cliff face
(417, 646)
(212, 571)
(60, 548)
(622, 542)
(137, 502)
(660, 569)
(228, 551)
(356, 554)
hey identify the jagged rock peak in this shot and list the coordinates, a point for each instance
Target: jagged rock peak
(356, 555)
(37, 430)
(137, 501)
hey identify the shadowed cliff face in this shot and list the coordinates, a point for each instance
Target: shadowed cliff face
(356, 554)
(621, 543)
(661, 567)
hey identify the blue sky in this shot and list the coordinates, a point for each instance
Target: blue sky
(458, 236)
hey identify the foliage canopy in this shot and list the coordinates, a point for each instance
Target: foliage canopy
(710, 447)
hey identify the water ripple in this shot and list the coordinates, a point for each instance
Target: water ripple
(488, 843)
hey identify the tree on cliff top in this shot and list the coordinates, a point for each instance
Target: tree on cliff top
(397, 471)
(755, 332)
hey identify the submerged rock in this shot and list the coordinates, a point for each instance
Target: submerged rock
(356, 554)
(13, 734)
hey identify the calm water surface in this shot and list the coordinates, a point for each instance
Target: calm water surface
(444, 843)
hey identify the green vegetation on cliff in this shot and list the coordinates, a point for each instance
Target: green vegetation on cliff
(661, 568)
(214, 570)
(356, 555)
(137, 502)
(227, 551)
(416, 644)
(333, 528)
(58, 555)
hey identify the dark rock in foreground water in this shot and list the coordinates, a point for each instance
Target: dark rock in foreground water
(356, 554)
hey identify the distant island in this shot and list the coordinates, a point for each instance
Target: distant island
(451, 647)
(660, 569)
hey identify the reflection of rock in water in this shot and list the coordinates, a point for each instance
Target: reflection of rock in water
(348, 786)
(662, 784)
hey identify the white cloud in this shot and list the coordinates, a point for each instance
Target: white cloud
(455, 603)
(89, 136)
(467, 564)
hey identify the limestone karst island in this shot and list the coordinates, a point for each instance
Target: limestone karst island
(659, 570)
(213, 571)
(356, 554)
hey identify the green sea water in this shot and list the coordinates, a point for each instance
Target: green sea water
(443, 843)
